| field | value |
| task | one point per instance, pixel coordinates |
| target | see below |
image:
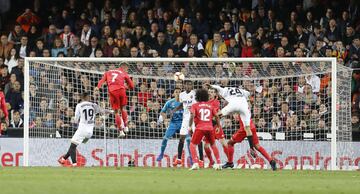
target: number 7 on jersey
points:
(114, 76)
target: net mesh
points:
(290, 101)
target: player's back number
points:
(236, 92)
(114, 76)
(88, 114)
(204, 114)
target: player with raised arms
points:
(175, 122)
(238, 137)
(116, 80)
(219, 133)
(202, 114)
(237, 103)
(85, 113)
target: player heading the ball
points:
(237, 103)
(85, 113)
(116, 80)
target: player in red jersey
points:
(202, 114)
(219, 133)
(238, 137)
(116, 80)
(4, 109)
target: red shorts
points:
(118, 99)
(240, 135)
(218, 135)
(200, 134)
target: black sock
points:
(72, 151)
(251, 143)
(180, 148)
(68, 153)
(201, 151)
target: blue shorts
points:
(172, 129)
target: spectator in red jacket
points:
(27, 19)
(247, 51)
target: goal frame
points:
(332, 60)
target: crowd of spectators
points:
(193, 28)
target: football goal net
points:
(300, 106)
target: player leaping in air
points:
(238, 137)
(175, 122)
(85, 113)
(237, 103)
(115, 80)
(219, 133)
(202, 114)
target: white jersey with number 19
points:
(85, 113)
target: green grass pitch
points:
(172, 181)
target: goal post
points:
(333, 114)
(47, 75)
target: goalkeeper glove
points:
(160, 120)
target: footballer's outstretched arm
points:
(221, 91)
(129, 82)
(102, 81)
(100, 110)
(218, 88)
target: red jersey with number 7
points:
(203, 114)
(116, 79)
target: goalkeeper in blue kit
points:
(175, 122)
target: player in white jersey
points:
(85, 113)
(186, 98)
(237, 103)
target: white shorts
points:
(238, 105)
(82, 134)
(185, 125)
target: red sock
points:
(193, 153)
(208, 153)
(118, 121)
(124, 116)
(225, 148)
(230, 153)
(264, 153)
(216, 153)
